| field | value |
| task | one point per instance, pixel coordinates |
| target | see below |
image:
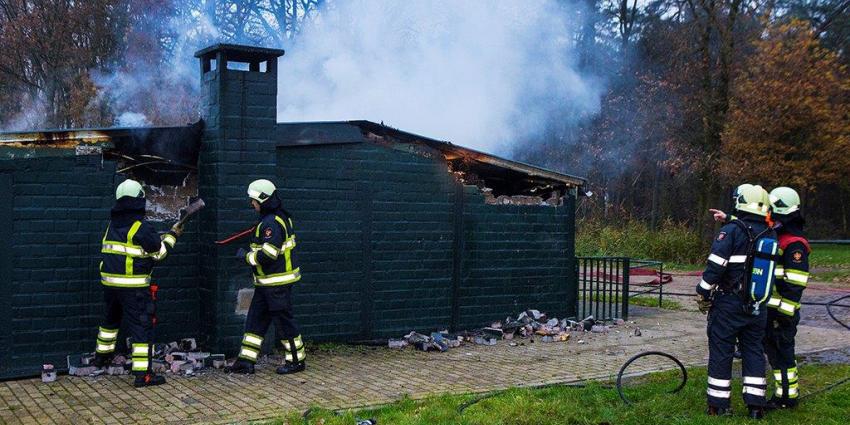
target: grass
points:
(671, 242)
(596, 404)
(830, 256)
(684, 267)
(641, 300)
(649, 301)
(831, 263)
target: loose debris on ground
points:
(181, 357)
(527, 326)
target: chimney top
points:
(240, 53)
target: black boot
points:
(241, 366)
(148, 380)
(719, 411)
(756, 412)
(290, 367)
(102, 360)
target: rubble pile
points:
(181, 357)
(527, 325)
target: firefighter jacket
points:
(792, 274)
(271, 256)
(726, 270)
(131, 246)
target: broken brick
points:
(176, 365)
(397, 343)
(116, 370)
(48, 373)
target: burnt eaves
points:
(166, 153)
(502, 176)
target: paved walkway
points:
(364, 376)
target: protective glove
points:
(241, 253)
(177, 228)
(703, 304)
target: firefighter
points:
(130, 248)
(783, 314)
(721, 216)
(275, 269)
(722, 294)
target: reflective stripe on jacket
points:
(129, 254)
(272, 252)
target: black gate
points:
(603, 287)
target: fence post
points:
(576, 268)
(626, 273)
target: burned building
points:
(396, 231)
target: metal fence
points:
(603, 287)
(639, 287)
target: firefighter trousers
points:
(135, 307)
(779, 347)
(727, 321)
(269, 305)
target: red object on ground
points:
(660, 278)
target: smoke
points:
(132, 119)
(479, 73)
(158, 82)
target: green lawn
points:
(830, 256)
(596, 404)
(831, 263)
(652, 301)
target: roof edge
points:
(477, 155)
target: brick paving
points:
(348, 377)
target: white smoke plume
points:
(132, 119)
(478, 73)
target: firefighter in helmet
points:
(275, 269)
(130, 249)
(783, 315)
(721, 294)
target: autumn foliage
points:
(789, 118)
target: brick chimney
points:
(239, 108)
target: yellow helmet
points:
(129, 188)
(753, 199)
(784, 200)
(261, 190)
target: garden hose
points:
(645, 354)
(833, 303)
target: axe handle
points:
(192, 209)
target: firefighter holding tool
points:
(734, 290)
(131, 246)
(275, 270)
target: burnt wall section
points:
(389, 242)
(55, 211)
